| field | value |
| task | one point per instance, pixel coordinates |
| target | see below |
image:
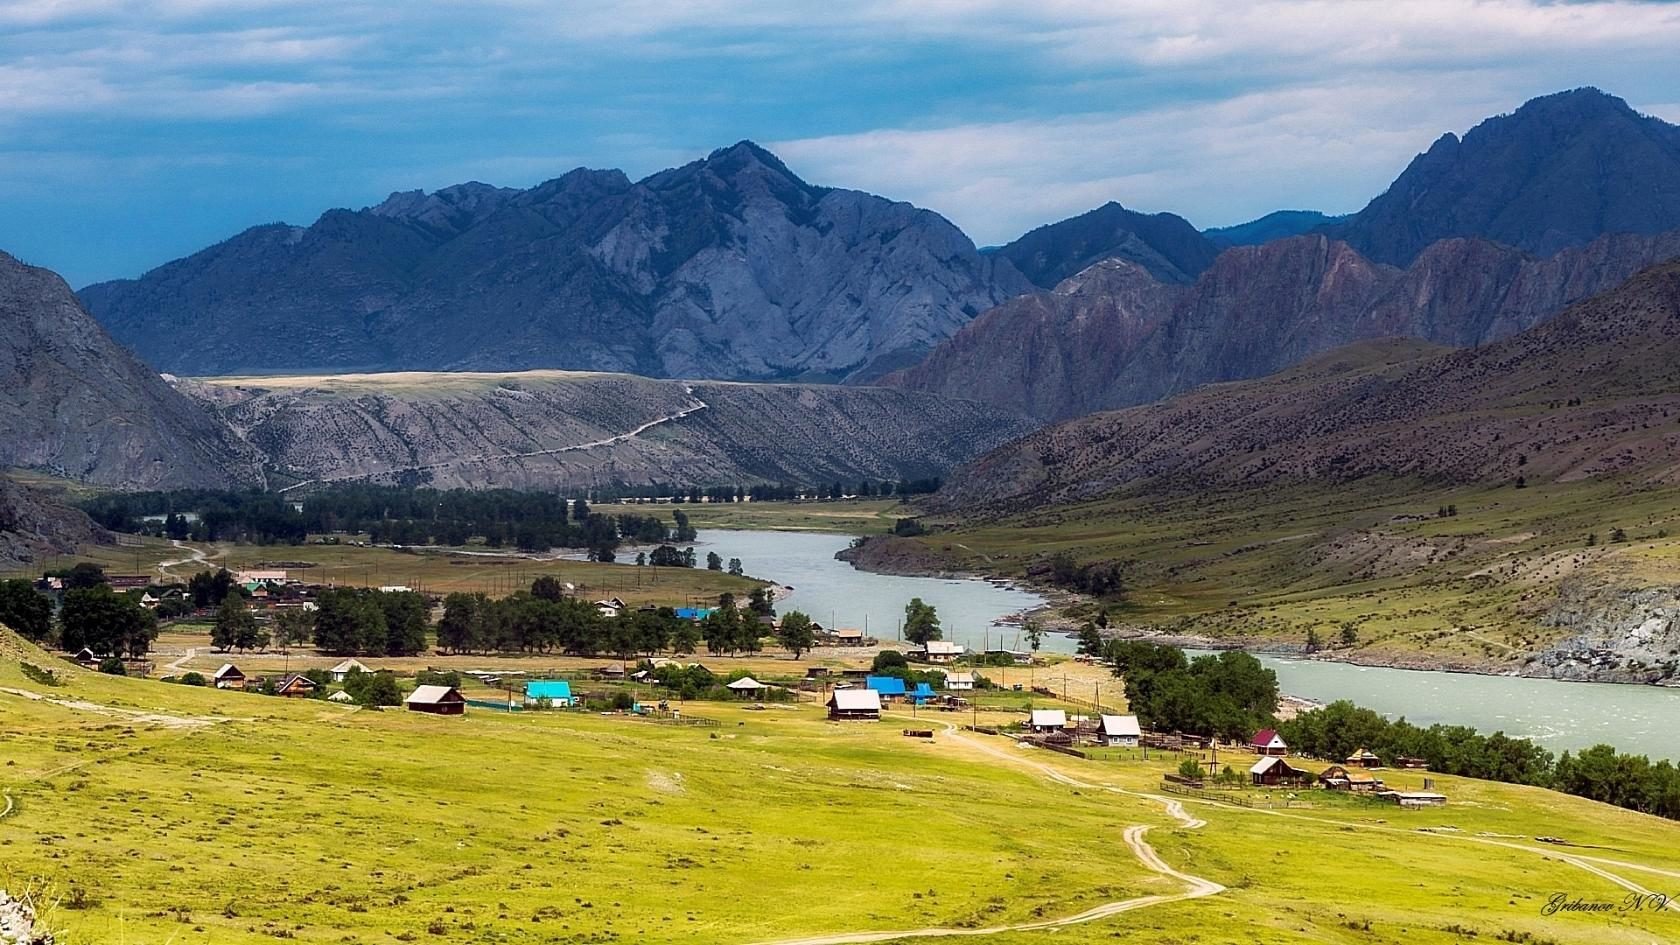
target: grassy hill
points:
(150, 812)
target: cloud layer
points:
(137, 131)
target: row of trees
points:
(1600, 773)
(1229, 695)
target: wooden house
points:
(295, 686)
(1048, 720)
(1273, 771)
(228, 677)
(1119, 731)
(343, 670)
(1364, 758)
(1269, 743)
(942, 651)
(1415, 764)
(1413, 799)
(960, 681)
(1339, 778)
(859, 705)
(437, 700)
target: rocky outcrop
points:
(1559, 172)
(560, 430)
(1590, 393)
(730, 267)
(889, 554)
(1113, 336)
(36, 525)
(1616, 634)
(75, 404)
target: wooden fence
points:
(1224, 797)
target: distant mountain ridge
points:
(1592, 392)
(1165, 245)
(1556, 173)
(728, 267)
(1113, 336)
(1276, 225)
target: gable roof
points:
(341, 696)
(1049, 718)
(548, 689)
(349, 665)
(228, 671)
(1121, 726)
(433, 695)
(924, 691)
(1272, 761)
(956, 677)
(945, 648)
(886, 685)
(745, 683)
(298, 680)
(856, 700)
(1266, 738)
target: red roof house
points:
(1268, 742)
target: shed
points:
(228, 677)
(556, 691)
(889, 687)
(1268, 742)
(1364, 758)
(862, 705)
(1048, 720)
(1272, 771)
(344, 669)
(1120, 730)
(1338, 778)
(438, 700)
(1414, 798)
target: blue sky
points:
(134, 132)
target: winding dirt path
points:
(195, 555)
(695, 407)
(1195, 886)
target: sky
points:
(133, 132)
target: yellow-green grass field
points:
(846, 516)
(157, 813)
(1270, 564)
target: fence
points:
(1224, 797)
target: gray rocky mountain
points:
(730, 267)
(1165, 245)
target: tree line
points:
(1228, 695)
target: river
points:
(1560, 715)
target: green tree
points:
(349, 621)
(714, 561)
(1192, 769)
(235, 628)
(105, 622)
(547, 587)
(25, 610)
(1350, 633)
(735, 567)
(921, 622)
(407, 620)
(1090, 640)
(1314, 641)
(463, 627)
(293, 627)
(795, 633)
(1035, 634)
(210, 589)
(685, 639)
(84, 575)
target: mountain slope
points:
(74, 403)
(1558, 172)
(548, 429)
(728, 267)
(1112, 337)
(1165, 245)
(1273, 226)
(1592, 392)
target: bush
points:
(1192, 769)
(623, 700)
(45, 677)
(112, 666)
(193, 679)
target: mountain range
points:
(1594, 391)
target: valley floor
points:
(147, 812)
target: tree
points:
(84, 575)
(463, 627)
(293, 627)
(714, 561)
(666, 556)
(235, 628)
(25, 610)
(348, 622)
(1090, 640)
(795, 633)
(547, 587)
(761, 602)
(921, 622)
(1191, 768)
(735, 567)
(373, 688)
(210, 589)
(1035, 634)
(1350, 633)
(105, 622)
(641, 559)
(407, 619)
(685, 639)
(1618, 534)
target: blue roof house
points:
(923, 693)
(556, 691)
(888, 687)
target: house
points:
(816, 672)
(693, 613)
(888, 687)
(1273, 771)
(260, 577)
(856, 705)
(341, 696)
(923, 694)
(1338, 778)
(1413, 798)
(943, 651)
(1364, 758)
(609, 608)
(611, 671)
(1120, 731)
(848, 636)
(1268, 742)
(556, 691)
(343, 670)
(1415, 764)
(1048, 720)
(438, 700)
(228, 677)
(959, 682)
(295, 686)
(746, 686)
(148, 601)
(129, 582)
(87, 657)
(395, 589)
(998, 655)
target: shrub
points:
(193, 679)
(45, 677)
(112, 666)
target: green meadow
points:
(146, 812)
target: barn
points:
(859, 705)
(228, 677)
(438, 700)
(1272, 771)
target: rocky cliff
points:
(561, 430)
(1114, 336)
(1164, 245)
(75, 404)
(730, 267)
